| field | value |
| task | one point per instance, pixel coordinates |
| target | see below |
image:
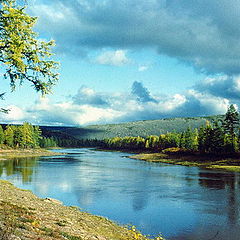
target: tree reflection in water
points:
(228, 181)
(19, 166)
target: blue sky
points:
(134, 60)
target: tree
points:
(22, 56)
(231, 125)
(217, 139)
(205, 138)
(17, 135)
(27, 135)
(37, 135)
(189, 139)
(8, 136)
(1, 135)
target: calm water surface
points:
(182, 203)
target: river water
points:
(182, 203)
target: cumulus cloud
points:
(90, 107)
(199, 104)
(142, 93)
(15, 114)
(204, 34)
(223, 86)
(88, 96)
(114, 58)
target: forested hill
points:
(139, 128)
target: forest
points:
(222, 136)
(24, 136)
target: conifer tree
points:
(37, 135)
(231, 125)
(17, 135)
(8, 136)
(217, 139)
(1, 135)
(189, 138)
(27, 140)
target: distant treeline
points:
(219, 137)
(72, 142)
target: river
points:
(182, 203)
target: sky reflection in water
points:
(183, 203)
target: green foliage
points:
(209, 136)
(231, 126)
(9, 136)
(48, 142)
(1, 135)
(24, 136)
(22, 55)
(134, 129)
(219, 137)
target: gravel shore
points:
(25, 216)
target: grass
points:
(24, 215)
(70, 237)
(23, 153)
(205, 161)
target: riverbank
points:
(24, 216)
(21, 153)
(206, 161)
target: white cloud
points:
(91, 114)
(224, 86)
(15, 114)
(204, 34)
(91, 107)
(172, 103)
(114, 58)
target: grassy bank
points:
(20, 153)
(25, 216)
(206, 161)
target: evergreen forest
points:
(222, 136)
(24, 136)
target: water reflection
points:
(230, 182)
(183, 203)
(19, 166)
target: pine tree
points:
(217, 139)
(201, 139)
(17, 135)
(189, 139)
(231, 125)
(37, 135)
(1, 135)
(8, 136)
(27, 140)
(205, 138)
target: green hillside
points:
(139, 128)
